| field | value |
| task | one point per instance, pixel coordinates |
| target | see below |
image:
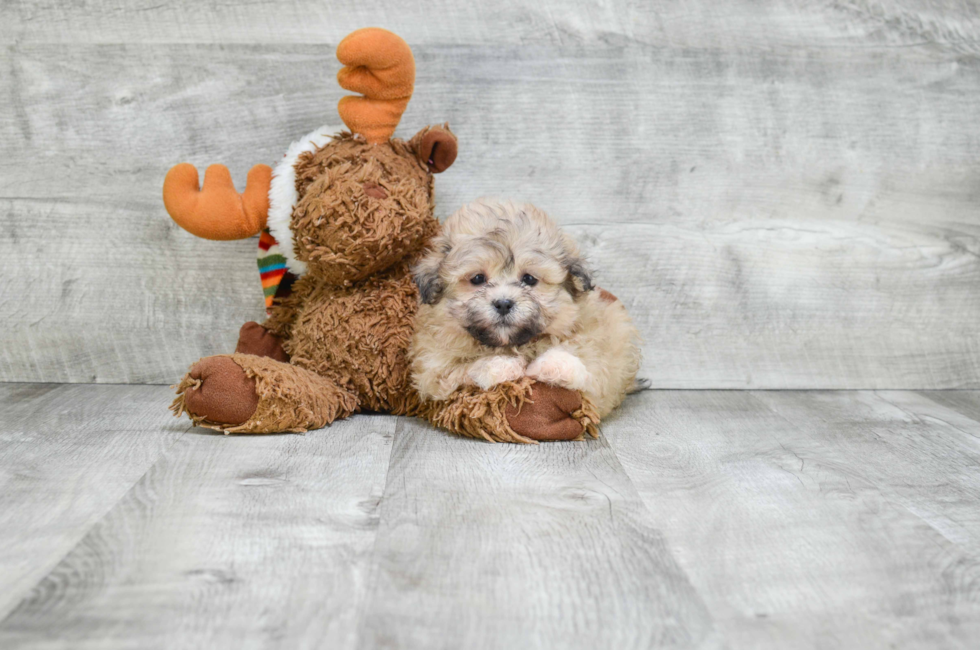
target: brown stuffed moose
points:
(351, 212)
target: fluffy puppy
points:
(504, 295)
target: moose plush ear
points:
(436, 147)
(426, 272)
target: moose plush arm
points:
(522, 411)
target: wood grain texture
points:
(814, 519)
(919, 454)
(952, 24)
(966, 402)
(784, 194)
(757, 520)
(90, 309)
(504, 546)
(67, 455)
(227, 542)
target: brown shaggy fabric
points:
(357, 336)
(476, 413)
(257, 340)
(350, 318)
(522, 411)
(289, 398)
(345, 235)
(363, 218)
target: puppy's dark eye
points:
(529, 279)
(479, 278)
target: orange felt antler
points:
(380, 66)
(218, 211)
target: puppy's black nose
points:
(503, 306)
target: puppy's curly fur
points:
(506, 295)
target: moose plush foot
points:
(552, 413)
(219, 392)
(244, 393)
(520, 411)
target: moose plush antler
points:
(345, 214)
(218, 211)
(382, 69)
(377, 64)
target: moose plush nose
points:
(374, 190)
(503, 306)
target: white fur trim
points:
(283, 196)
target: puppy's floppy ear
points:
(435, 147)
(579, 278)
(426, 272)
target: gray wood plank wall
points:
(784, 193)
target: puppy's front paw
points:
(560, 368)
(490, 371)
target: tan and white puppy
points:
(504, 295)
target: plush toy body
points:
(351, 213)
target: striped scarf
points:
(277, 281)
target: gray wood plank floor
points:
(699, 519)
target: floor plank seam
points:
(370, 587)
(950, 408)
(95, 524)
(885, 498)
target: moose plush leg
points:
(257, 340)
(243, 393)
(522, 411)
